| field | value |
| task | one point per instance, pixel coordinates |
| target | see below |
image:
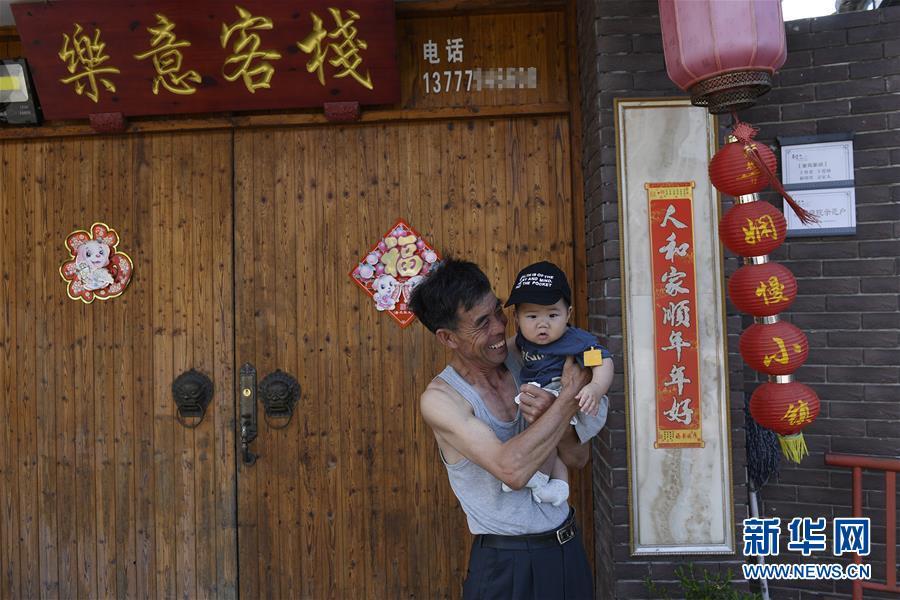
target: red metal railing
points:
(890, 466)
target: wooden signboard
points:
(169, 57)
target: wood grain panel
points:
(45, 416)
(26, 330)
(220, 175)
(67, 155)
(10, 560)
(378, 517)
(143, 174)
(101, 490)
(288, 503)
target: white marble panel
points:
(681, 498)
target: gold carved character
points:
(82, 52)
(167, 59)
(345, 49)
(248, 61)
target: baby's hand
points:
(589, 399)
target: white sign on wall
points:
(817, 163)
(835, 208)
(817, 171)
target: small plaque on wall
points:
(835, 208)
(818, 173)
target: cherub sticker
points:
(96, 269)
(393, 268)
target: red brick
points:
(815, 110)
(863, 339)
(863, 158)
(882, 103)
(863, 303)
(847, 54)
(824, 39)
(875, 68)
(849, 89)
(864, 374)
(888, 31)
(844, 21)
(881, 321)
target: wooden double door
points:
(242, 241)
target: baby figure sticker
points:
(95, 269)
(392, 269)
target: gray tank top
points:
(489, 509)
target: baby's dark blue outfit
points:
(544, 363)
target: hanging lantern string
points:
(745, 133)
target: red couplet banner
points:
(677, 372)
(169, 57)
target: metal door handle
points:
(247, 393)
(192, 391)
(278, 392)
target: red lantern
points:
(734, 172)
(752, 228)
(763, 290)
(774, 348)
(723, 53)
(785, 408)
(744, 166)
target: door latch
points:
(278, 392)
(247, 391)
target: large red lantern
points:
(752, 228)
(733, 172)
(744, 166)
(786, 408)
(723, 53)
(763, 290)
(778, 348)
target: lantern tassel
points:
(793, 447)
(745, 132)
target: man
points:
(522, 549)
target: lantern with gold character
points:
(774, 348)
(763, 289)
(785, 406)
(752, 228)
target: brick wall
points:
(842, 74)
(620, 54)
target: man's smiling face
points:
(480, 332)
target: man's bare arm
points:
(571, 451)
(512, 462)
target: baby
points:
(543, 306)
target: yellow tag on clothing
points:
(593, 357)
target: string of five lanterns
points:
(752, 229)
